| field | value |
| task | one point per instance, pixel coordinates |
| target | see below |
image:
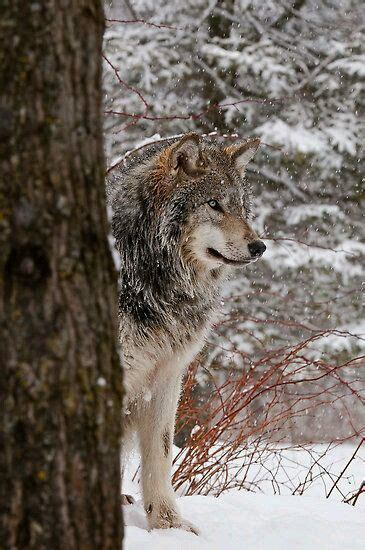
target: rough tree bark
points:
(60, 374)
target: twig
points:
(143, 22)
(345, 468)
(356, 495)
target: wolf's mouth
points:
(227, 261)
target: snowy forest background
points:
(288, 354)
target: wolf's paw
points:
(127, 499)
(166, 517)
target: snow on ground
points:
(245, 520)
(242, 520)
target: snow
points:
(296, 214)
(251, 521)
(296, 138)
(354, 64)
(263, 521)
(286, 254)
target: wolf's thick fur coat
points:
(181, 211)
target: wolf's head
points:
(199, 189)
(181, 214)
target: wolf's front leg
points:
(156, 430)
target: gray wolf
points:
(181, 219)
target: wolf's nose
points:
(256, 249)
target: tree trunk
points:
(61, 384)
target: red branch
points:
(195, 116)
(249, 415)
(130, 88)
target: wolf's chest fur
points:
(162, 339)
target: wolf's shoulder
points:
(139, 156)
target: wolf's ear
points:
(185, 155)
(242, 154)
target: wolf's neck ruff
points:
(157, 289)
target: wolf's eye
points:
(215, 205)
